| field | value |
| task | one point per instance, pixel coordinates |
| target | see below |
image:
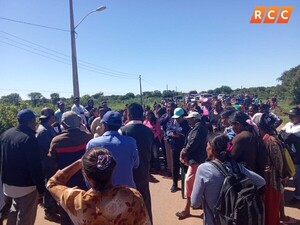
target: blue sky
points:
(182, 44)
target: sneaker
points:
(174, 188)
(52, 217)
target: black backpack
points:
(239, 201)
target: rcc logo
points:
(262, 14)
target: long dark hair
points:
(98, 164)
(152, 119)
(241, 118)
(219, 143)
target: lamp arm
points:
(84, 18)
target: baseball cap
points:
(112, 118)
(46, 113)
(193, 114)
(294, 111)
(178, 112)
(26, 115)
(70, 119)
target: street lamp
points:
(73, 45)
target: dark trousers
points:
(155, 162)
(50, 205)
(143, 188)
(176, 165)
(64, 217)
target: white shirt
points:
(17, 192)
(80, 111)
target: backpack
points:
(288, 168)
(239, 201)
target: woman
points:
(103, 203)
(225, 126)
(245, 145)
(153, 123)
(209, 179)
(214, 115)
(274, 167)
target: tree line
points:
(288, 90)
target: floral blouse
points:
(120, 205)
(274, 168)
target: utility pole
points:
(167, 87)
(141, 93)
(74, 57)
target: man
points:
(60, 111)
(193, 153)
(90, 104)
(22, 173)
(290, 134)
(105, 106)
(96, 122)
(144, 139)
(123, 148)
(276, 121)
(177, 133)
(80, 110)
(167, 122)
(66, 148)
(44, 134)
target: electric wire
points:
(80, 62)
(33, 24)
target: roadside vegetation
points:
(287, 92)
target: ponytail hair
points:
(220, 144)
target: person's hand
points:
(183, 158)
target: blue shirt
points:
(124, 150)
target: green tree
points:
(97, 95)
(35, 98)
(54, 98)
(290, 84)
(157, 94)
(13, 98)
(8, 115)
(129, 95)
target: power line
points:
(22, 90)
(106, 71)
(91, 70)
(34, 52)
(34, 24)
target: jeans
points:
(296, 179)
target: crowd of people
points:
(92, 165)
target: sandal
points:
(182, 215)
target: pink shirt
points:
(155, 128)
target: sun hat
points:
(294, 111)
(193, 114)
(70, 119)
(46, 113)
